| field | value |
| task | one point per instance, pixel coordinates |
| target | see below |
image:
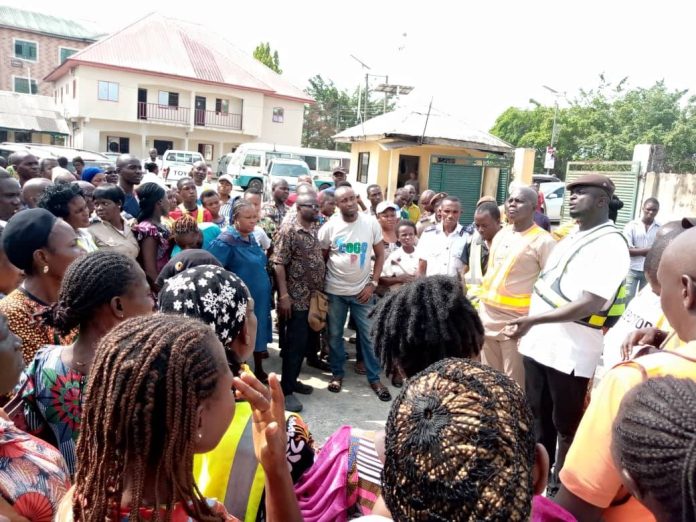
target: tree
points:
(270, 59)
(605, 123)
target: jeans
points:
(298, 338)
(557, 401)
(635, 280)
(338, 310)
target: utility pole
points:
(366, 68)
(367, 94)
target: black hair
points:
(372, 186)
(78, 159)
(406, 223)
(240, 205)
(151, 166)
(57, 197)
(655, 442)
(615, 204)
(652, 259)
(254, 191)
(149, 194)
(183, 180)
(423, 322)
(111, 192)
(343, 184)
(453, 199)
(63, 162)
(209, 193)
(654, 201)
(5, 175)
(490, 208)
(90, 281)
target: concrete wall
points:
(289, 132)
(48, 58)
(675, 192)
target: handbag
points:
(318, 310)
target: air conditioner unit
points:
(113, 145)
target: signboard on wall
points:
(550, 158)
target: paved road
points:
(324, 411)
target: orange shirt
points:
(589, 471)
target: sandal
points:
(359, 368)
(381, 391)
(335, 384)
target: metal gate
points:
(624, 174)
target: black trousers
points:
(557, 400)
(299, 336)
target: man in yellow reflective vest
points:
(571, 302)
(518, 253)
(475, 258)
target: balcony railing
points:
(222, 120)
(157, 112)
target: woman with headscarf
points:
(94, 175)
(152, 235)
(43, 246)
(67, 201)
(109, 229)
(220, 298)
(236, 248)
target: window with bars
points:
(26, 50)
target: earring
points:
(200, 435)
(45, 269)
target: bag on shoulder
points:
(318, 310)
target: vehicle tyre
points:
(256, 184)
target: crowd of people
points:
(544, 375)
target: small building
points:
(26, 118)
(447, 155)
(168, 84)
(33, 44)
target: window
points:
(118, 144)
(64, 53)
(252, 160)
(26, 50)
(58, 140)
(206, 150)
(108, 91)
(329, 164)
(311, 162)
(22, 85)
(22, 137)
(170, 99)
(3, 135)
(363, 165)
(222, 106)
(278, 114)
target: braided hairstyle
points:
(423, 322)
(149, 376)
(459, 446)
(239, 205)
(149, 195)
(184, 225)
(655, 442)
(90, 281)
(57, 197)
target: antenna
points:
(361, 62)
(427, 117)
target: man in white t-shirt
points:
(441, 247)
(349, 240)
(562, 335)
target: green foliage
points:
(605, 123)
(335, 110)
(267, 57)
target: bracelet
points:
(284, 296)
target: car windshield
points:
(184, 157)
(291, 171)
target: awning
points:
(30, 112)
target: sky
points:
(472, 59)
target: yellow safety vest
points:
(199, 214)
(230, 473)
(550, 289)
(494, 290)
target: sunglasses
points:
(313, 206)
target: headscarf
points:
(25, 233)
(89, 173)
(183, 261)
(209, 293)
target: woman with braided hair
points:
(161, 391)
(187, 234)
(654, 447)
(99, 291)
(152, 235)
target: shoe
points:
(293, 404)
(360, 368)
(381, 391)
(319, 364)
(303, 389)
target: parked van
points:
(41, 151)
(178, 164)
(249, 162)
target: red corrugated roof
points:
(165, 46)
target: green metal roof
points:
(46, 24)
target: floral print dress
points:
(33, 475)
(52, 398)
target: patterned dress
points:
(161, 234)
(33, 475)
(52, 394)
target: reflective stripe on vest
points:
(231, 472)
(550, 291)
(475, 273)
(494, 286)
(199, 215)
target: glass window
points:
(222, 106)
(311, 161)
(22, 136)
(363, 166)
(252, 160)
(329, 164)
(66, 53)
(107, 91)
(170, 99)
(22, 85)
(25, 50)
(278, 114)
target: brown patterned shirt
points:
(299, 251)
